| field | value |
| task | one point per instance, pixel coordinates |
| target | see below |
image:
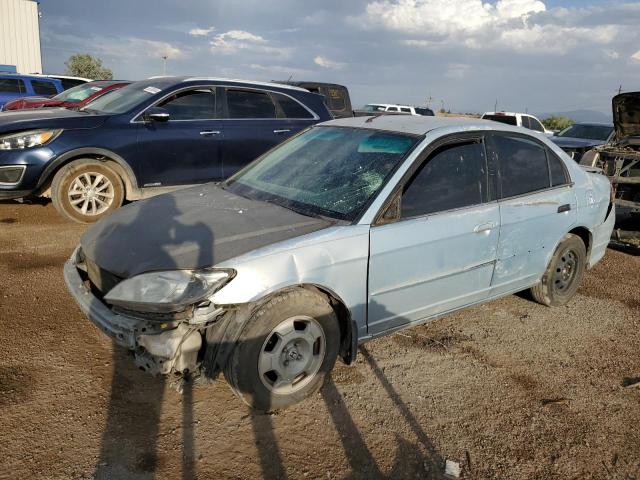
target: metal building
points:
(20, 36)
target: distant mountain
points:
(580, 116)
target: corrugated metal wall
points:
(20, 35)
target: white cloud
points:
(201, 32)
(324, 62)
(521, 25)
(636, 56)
(235, 41)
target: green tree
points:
(85, 65)
(555, 122)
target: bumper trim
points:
(123, 330)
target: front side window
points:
(197, 104)
(535, 125)
(330, 171)
(522, 165)
(12, 85)
(405, 109)
(525, 121)
(454, 176)
(392, 109)
(291, 108)
(249, 104)
(42, 87)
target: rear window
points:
(12, 85)
(336, 99)
(508, 119)
(68, 83)
(424, 111)
(291, 108)
(42, 87)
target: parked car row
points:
(14, 86)
(391, 108)
(146, 138)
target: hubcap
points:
(292, 355)
(565, 271)
(91, 193)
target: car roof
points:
(594, 124)
(176, 80)
(419, 125)
(28, 77)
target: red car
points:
(75, 97)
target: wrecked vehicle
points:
(349, 231)
(579, 138)
(620, 161)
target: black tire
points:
(78, 170)
(564, 273)
(242, 367)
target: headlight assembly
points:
(28, 139)
(169, 291)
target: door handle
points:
(208, 133)
(284, 130)
(484, 227)
(564, 208)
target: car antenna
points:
(371, 119)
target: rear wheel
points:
(564, 273)
(86, 190)
(285, 351)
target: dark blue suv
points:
(147, 138)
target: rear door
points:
(537, 208)
(256, 121)
(186, 148)
(44, 88)
(440, 254)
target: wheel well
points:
(347, 353)
(43, 190)
(585, 235)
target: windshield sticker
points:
(152, 90)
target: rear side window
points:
(12, 85)
(525, 121)
(197, 104)
(392, 109)
(291, 108)
(556, 170)
(249, 104)
(454, 176)
(405, 109)
(522, 165)
(508, 119)
(42, 87)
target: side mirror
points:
(156, 114)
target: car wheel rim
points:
(565, 271)
(291, 355)
(91, 193)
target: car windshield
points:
(123, 99)
(326, 171)
(589, 132)
(79, 93)
(508, 119)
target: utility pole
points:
(164, 64)
(495, 106)
(429, 100)
(620, 90)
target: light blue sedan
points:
(349, 231)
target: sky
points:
(465, 55)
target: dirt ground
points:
(509, 390)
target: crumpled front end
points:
(161, 343)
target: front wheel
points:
(564, 273)
(86, 190)
(284, 353)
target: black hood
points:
(626, 114)
(17, 120)
(576, 143)
(189, 229)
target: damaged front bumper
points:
(159, 346)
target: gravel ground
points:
(509, 390)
